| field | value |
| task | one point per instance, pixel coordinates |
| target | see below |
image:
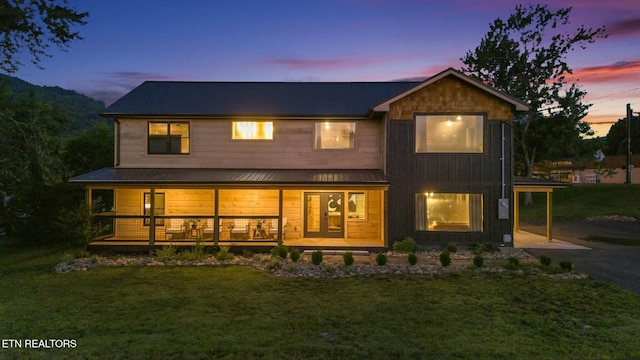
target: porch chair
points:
(240, 229)
(208, 228)
(273, 229)
(175, 227)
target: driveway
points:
(614, 264)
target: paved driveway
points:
(614, 264)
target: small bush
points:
(280, 250)
(545, 260)
(348, 258)
(413, 258)
(478, 261)
(453, 248)
(381, 259)
(224, 254)
(316, 257)
(445, 258)
(274, 263)
(513, 261)
(166, 253)
(408, 245)
(294, 254)
(566, 265)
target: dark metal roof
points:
(304, 99)
(129, 176)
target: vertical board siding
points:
(410, 173)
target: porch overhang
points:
(232, 177)
(524, 184)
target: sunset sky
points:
(129, 41)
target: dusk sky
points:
(129, 41)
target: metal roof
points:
(282, 99)
(193, 176)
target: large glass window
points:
(335, 135)
(449, 133)
(168, 138)
(158, 209)
(448, 212)
(252, 130)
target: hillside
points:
(82, 109)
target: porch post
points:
(549, 215)
(216, 218)
(152, 220)
(280, 200)
(516, 211)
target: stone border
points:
(332, 266)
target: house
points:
(330, 165)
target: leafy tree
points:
(33, 25)
(90, 149)
(617, 137)
(525, 56)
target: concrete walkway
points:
(527, 240)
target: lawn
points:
(578, 202)
(242, 313)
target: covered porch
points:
(344, 209)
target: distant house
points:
(329, 165)
(611, 170)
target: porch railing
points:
(191, 228)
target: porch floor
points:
(301, 243)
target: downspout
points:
(502, 161)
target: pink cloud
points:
(624, 71)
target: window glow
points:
(335, 135)
(449, 134)
(252, 130)
(449, 212)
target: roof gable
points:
(519, 106)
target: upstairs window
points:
(335, 135)
(168, 138)
(449, 134)
(252, 130)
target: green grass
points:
(241, 313)
(581, 201)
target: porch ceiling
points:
(199, 176)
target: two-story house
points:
(319, 165)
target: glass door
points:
(323, 215)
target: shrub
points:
(316, 257)
(408, 245)
(478, 261)
(566, 265)
(545, 260)
(445, 258)
(224, 254)
(479, 249)
(166, 253)
(247, 253)
(274, 263)
(453, 248)
(280, 250)
(413, 258)
(294, 254)
(348, 258)
(381, 259)
(513, 261)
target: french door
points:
(323, 215)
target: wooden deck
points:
(264, 245)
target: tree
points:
(33, 25)
(525, 56)
(90, 149)
(617, 137)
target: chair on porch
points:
(273, 229)
(176, 229)
(240, 229)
